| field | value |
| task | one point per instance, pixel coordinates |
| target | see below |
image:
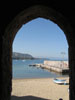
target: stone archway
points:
(11, 30)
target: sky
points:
(41, 38)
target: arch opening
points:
(16, 24)
(29, 33)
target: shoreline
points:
(40, 78)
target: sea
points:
(21, 69)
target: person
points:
(60, 99)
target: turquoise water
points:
(21, 69)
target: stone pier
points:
(56, 66)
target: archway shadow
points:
(27, 98)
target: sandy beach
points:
(39, 89)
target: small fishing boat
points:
(59, 81)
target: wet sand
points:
(39, 89)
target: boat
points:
(23, 60)
(59, 81)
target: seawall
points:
(56, 66)
(59, 64)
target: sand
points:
(39, 89)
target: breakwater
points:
(56, 66)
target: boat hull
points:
(59, 81)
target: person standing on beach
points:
(60, 99)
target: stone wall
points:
(57, 63)
(13, 16)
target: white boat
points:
(23, 60)
(59, 81)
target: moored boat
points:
(59, 81)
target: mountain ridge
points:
(17, 55)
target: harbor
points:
(56, 66)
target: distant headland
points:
(16, 55)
